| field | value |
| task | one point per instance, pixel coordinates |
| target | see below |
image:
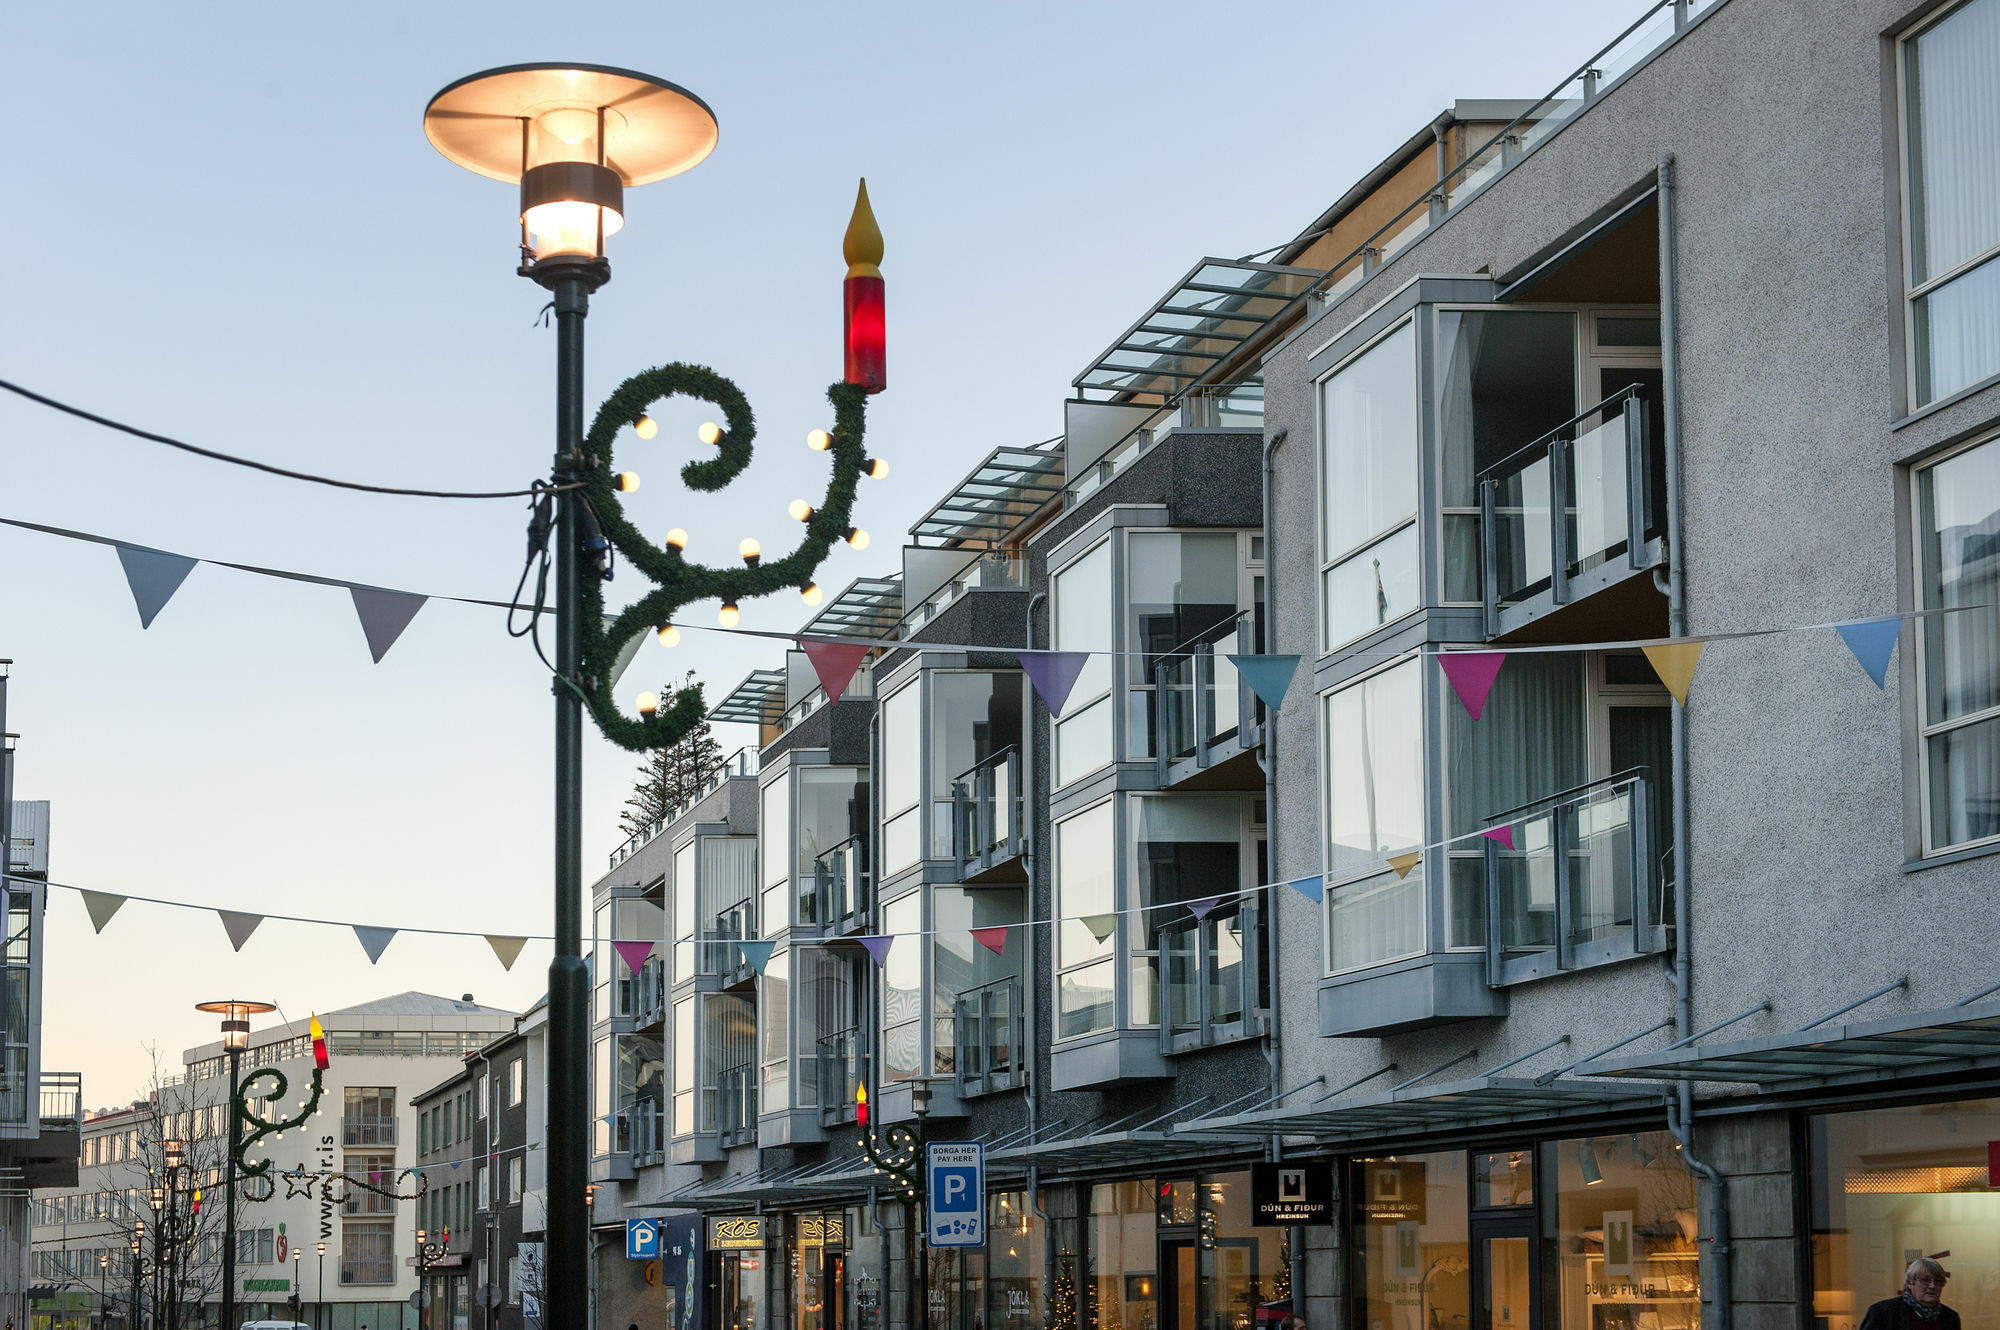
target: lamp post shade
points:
(236, 1014)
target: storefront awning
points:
(1119, 1143)
(1476, 1102)
(1955, 1039)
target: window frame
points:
(1425, 816)
(1327, 560)
(1074, 706)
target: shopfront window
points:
(1411, 1240)
(864, 1272)
(1625, 1233)
(1246, 1271)
(1122, 1249)
(1892, 1184)
(1011, 1290)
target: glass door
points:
(1180, 1286)
(1506, 1283)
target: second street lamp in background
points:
(236, 1014)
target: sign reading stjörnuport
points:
(955, 1181)
(1294, 1193)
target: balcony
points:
(736, 1105)
(988, 828)
(648, 1145)
(843, 1068)
(649, 994)
(838, 899)
(1202, 714)
(995, 571)
(738, 923)
(990, 1038)
(1577, 511)
(1213, 981)
(1584, 884)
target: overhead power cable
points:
(266, 467)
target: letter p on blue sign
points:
(955, 1181)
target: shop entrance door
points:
(1506, 1283)
(833, 1289)
(1180, 1285)
(737, 1284)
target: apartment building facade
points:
(1596, 1006)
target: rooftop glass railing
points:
(742, 762)
(996, 571)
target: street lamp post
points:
(573, 137)
(319, 1294)
(138, 1242)
(298, 1292)
(236, 1015)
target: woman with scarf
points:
(1921, 1304)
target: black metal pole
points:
(229, 1195)
(566, 1278)
(319, 1294)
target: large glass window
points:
(1188, 847)
(833, 807)
(634, 918)
(902, 765)
(774, 854)
(728, 900)
(684, 1067)
(1951, 103)
(1891, 1184)
(1085, 872)
(1958, 526)
(1123, 1254)
(1625, 1233)
(1083, 622)
(368, 1115)
(1411, 1243)
(974, 719)
(774, 1008)
(1182, 591)
(685, 966)
(1368, 479)
(367, 1254)
(1375, 808)
(902, 989)
(963, 967)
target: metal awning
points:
(1955, 1039)
(758, 700)
(1118, 1143)
(869, 607)
(1011, 484)
(1476, 1102)
(1208, 314)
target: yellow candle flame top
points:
(862, 245)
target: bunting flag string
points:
(239, 926)
(1674, 662)
(1053, 673)
(878, 947)
(153, 576)
(374, 941)
(994, 939)
(635, 954)
(1403, 863)
(505, 949)
(834, 663)
(1471, 675)
(1872, 641)
(102, 905)
(1270, 677)
(757, 954)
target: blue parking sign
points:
(642, 1239)
(955, 1182)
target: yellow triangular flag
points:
(1674, 663)
(506, 948)
(1403, 863)
(1100, 925)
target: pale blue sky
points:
(227, 225)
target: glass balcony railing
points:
(1199, 701)
(648, 1143)
(990, 1037)
(1569, 503)
(843, 1067)
(996, 571)
(1582, 884)
(1214, 985)
(837, 896)
(649, 993)
(986, 811)
(736, 1104)
(738, 923)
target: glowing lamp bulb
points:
(669, 635)
(750, 550)
(646, 427)
(810, 593)
(728, 616)
(800, 510)
(677, 538)
(710, 433)
(626, 481)
(857, 538)
(819, 441)
(648, 703)
(875, 468)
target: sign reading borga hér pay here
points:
(955, 1182)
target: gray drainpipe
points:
(1680, 1104)
(1271, 771)
(1028, 960)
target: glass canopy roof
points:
(1477, 1101)
(869, 607)
(1209, 313)
(1009, 486)
(758, 700)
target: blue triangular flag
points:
(1872, 641)
(1270, 677)
(374, 941)
(758, 954)
(154, 576)
(1312, 888)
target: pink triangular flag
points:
(1471, 674)
(993, 939)
(834, 663)
(1504, 835)
(635, 954)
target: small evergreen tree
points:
(669, 777)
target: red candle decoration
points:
(865, 330)
(861, 1106)
(319, 1042)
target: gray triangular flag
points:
(506, 948)
(154, 576)
(626, 653)
(374, 941)
(384, 615)
(102, 905)
(239, 926)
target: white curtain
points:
(1955, 182)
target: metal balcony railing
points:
(1199, 704)
(986, 811)
(990, 1037)
(843, 1067)
(649, 993)
(1212, 979)
(736, 1104)
(1571, 502)
(647, 1138)
(738, 923)
(62, 1099)
(1582, 885)
(837, 895)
